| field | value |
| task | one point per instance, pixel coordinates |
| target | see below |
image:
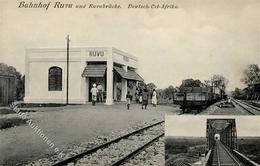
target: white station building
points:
(46, 74)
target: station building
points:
(46, 74)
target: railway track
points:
(252, 110)
(119, 150)
(223, 157)
(251, 105)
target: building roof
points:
(94, 71)
(98, 70)
(130, 74)
(77, 48)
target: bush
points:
(11, 122)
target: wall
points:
(7, 89)
(124, 58)
(38, 63)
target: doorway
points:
(98, 81)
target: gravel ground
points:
(215, 110)
(72, 129)
(116, 151)
(101, 157)
(152, 155)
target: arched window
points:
(55, 79)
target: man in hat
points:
(94, 92)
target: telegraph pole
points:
(67, 90)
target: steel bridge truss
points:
(226, 128)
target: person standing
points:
(94, 92)
(100, 93)
(145, 98)
(154, 98)
(140, 96)
(128, 100)
(137, 96)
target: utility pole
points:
(67, 90)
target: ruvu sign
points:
(96, 53)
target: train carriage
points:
(195, 98)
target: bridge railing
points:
(208, 158)
(244, 159)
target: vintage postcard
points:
(92, 82)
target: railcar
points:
(195, 98)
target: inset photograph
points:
(212, 141)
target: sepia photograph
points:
(214, 140)
(93, 82)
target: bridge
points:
(222, 144)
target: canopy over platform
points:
(94, 71)
(129, 75)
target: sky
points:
(194, 126)
(196, 40)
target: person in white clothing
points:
(94, 92)
(154, 98)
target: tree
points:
(219, 81)
(251, 75)
(10, 70)
(169, 92)
(239, 93)
(252, 80)
(20, 88)
(191, 83)
(207, 83)
(150, 86)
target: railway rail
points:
(223, 157)
(254, 103)
(251, 105)
(138, 139)
(252, 110)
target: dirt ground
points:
(71, 125)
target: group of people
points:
(142, 96)
(97, 93)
